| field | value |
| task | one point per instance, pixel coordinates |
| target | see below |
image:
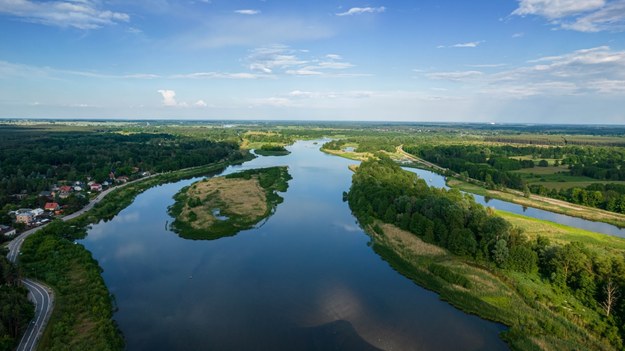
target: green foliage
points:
(381, 190)
(15, 309)
(82, 318)
(272, 150)
(272, 180)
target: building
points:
(37, 212)
(52, 206)
(96, 187)
(6, 230)
(25, 217)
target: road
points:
(40, 294)
(43, 298)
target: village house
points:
(122, 179)
(25, 217)
(96, 187)
(6, 230)
(52, 206)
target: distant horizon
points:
(303, 121)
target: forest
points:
(382, 191)
(59, 157)
(15, 310)
(496, 166)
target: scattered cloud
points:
(81, 14)
(361, 10)
(593, 71)
(582, 16)
(169, 97)
(217, 75)
(278, 59)
(518, 35)
(471, 44)
(247, 12)
(200, 103)
(455, 76)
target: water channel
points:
(304, 280)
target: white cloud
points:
(455, 76)
(169, 97)
(578, 15)
(592, 72)
(277, 59)
(361, 10)
(471, 44)
(556, 8)
(217, 75)
(200, 103)
(247, 12)
(82, 14)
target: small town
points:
(60, 200)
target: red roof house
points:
(51, 206)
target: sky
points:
(504, 61)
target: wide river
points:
(305, 279)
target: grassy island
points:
(272, 150)
(217, 207)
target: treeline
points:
(15, 309)
(609, 197)
(382, 190)
(32, 161)
(489, 165)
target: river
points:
(437, 180)
(304, 280)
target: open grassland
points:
(562, 234)
(536, 315)
(243, 198)
(541, 202)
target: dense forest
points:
(32, 161)
(15, 310)
(495, 166)
(381, 190)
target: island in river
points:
(223, 206)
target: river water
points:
(304, 280)
(599, 227)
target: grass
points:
(537, 316)
(544, 170)
(244, 198)
(562, 234)
(543, 203)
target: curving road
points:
(43, 298)
(40, 294)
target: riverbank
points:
(521, 301)
(541, 202)
(82, 317)
(223, 206)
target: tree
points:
(611, 295)
(500, 252)
(543, 163)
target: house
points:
(37, 212)
(46, 194)
(77, 188)
(96, 187)
(65, 189)
(145, 174)
(105, 183)
(6, 230)
(24, 217)
(52, 206)
(122, 179)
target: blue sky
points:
(546, 61)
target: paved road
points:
(41, 294)
(43, 298)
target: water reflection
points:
(304, 280)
